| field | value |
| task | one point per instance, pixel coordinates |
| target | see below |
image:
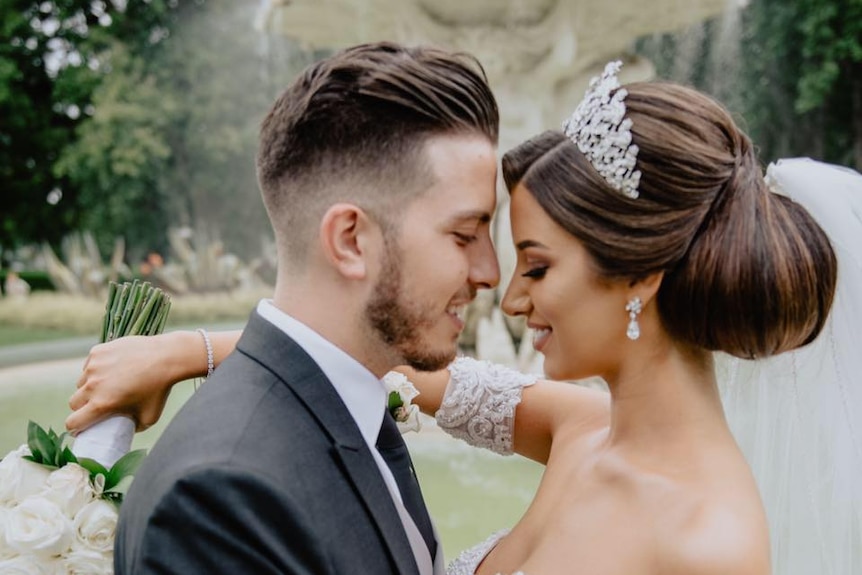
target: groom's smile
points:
(441, 255)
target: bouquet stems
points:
(134, 309)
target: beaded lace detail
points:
(479, 404)
(467, 562)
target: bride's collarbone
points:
(594, 507)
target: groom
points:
(377, 167)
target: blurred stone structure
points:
(539, 56)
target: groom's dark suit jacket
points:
(262, 471)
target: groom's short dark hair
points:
(352, 127)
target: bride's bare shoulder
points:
(715, 539)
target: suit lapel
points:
(273, 349)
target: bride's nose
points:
(515, 300)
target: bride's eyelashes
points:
(536, 272)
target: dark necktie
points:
(394, 451)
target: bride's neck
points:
(665, 399)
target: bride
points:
(647, 238)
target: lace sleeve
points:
(479, 404)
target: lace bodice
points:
(479, 404)
(467, 562)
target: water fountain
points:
(538, 54)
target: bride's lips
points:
(540, 337)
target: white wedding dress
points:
(797, 416)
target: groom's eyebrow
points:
(469, 217)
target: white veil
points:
(798, 416)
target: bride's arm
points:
(134, 375)
(496, 407)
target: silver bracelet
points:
(208, 344)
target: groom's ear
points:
(346, 234)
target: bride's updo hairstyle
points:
(747, 271)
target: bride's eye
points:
(535, 273)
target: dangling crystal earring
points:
(634, 307)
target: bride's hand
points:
(131, 376)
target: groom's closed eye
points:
(465, 239)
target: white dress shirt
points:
(365, 398)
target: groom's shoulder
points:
(244, 422)
(242, 409)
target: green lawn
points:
(13, 335)
(470, 493)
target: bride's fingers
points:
(82, 418)
(142, 426)
(78, 399)
(82, 379)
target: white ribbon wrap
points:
(106, 441)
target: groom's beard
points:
(401, 324)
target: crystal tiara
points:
(602, 132)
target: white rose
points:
(95, 526)
(20, 478)
(88, 562)
(407, 418)
(70, 488)
(31, 565)
(395, 381)
(5, 551)
(38, 526)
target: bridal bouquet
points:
(58, 507)
(58, 513)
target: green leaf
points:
(126, 466)
(68, 456)
(114, 497)
(121, 487)
(394, 400)
(94, 467)
(40, 443)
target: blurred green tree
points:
(52, 62)
(172, 136)
(794, 73)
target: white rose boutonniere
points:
(400, 393)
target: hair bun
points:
(759, 277)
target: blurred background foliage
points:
(114, 122)
(129, 118)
